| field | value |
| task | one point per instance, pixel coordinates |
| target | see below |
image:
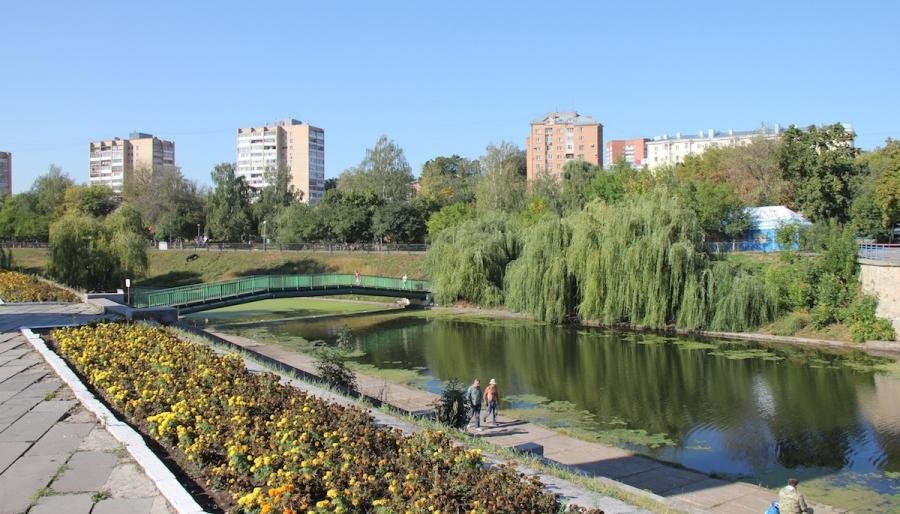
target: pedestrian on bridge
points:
(357, 276)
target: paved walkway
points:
(683, 489)
(54, 455)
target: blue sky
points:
(437, 77)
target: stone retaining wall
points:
(882, 279)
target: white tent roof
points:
(774, 216)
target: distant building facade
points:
(291, 144)
(666, 150)
(634, 151)
(560, 137)
(113, 160)
(5, 173)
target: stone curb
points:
(165, 481)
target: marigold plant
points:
(17, 287)
(275, 449)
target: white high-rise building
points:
(290, 144)
(668, 150)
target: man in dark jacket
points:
(473, 399)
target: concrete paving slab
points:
(61, 439)
(10, 370)
(15, 353)
(665, 481)
(128, 480)
(23, 479)
(35, 423)
(85, 471)
(13, 409)
(67, 503)
(9, 388)
(40, 390)
(161, 506)
(709, 493)
(9, 452)
(124, 506)
(98, 440)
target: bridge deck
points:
(206, 296)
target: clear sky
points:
(437, 77)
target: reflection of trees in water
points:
(809, 414)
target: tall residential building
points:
(560, 137)
(115, 159)
(5, 173)
(666, 150)
(290, 144)
(634, 151)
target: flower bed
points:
(17, 287)
(275, 449)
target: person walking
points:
(473, 398)
(356, 276)
(790, 501)
(491, 397)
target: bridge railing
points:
(203, 293)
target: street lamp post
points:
(265, 241)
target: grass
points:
(172, 268)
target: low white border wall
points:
(165, 481)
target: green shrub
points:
(450, 408)
(864, 325)
(333, 370)
(791, 323)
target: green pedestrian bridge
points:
(199, 297)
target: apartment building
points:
(5, 173)
(634, 151)
(291, 144)
(665, 150)
(111, 161)
(560, 137)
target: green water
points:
(734, 409)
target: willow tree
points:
(643, 262)
(468, 262)
(540, 281)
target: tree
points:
(95, 253)
(228, 207)
(50, 190)
(171, 205)
(501, 186)
(93, 200)
(449, 217)
(447, 180)
(28, 215)
(398, 223)
(384, 172)
(274, 197)
(349, 215)
(887, 197)
(577, 188)
(819, 163)
(301, 223)
(754, 173)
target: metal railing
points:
(229, 289)
(880, 252)
(306, 247)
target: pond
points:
(733, 409)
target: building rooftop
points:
(774, 216)
(565, 118)
(712, 133)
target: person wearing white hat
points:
(491, 397)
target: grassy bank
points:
(172, 268)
